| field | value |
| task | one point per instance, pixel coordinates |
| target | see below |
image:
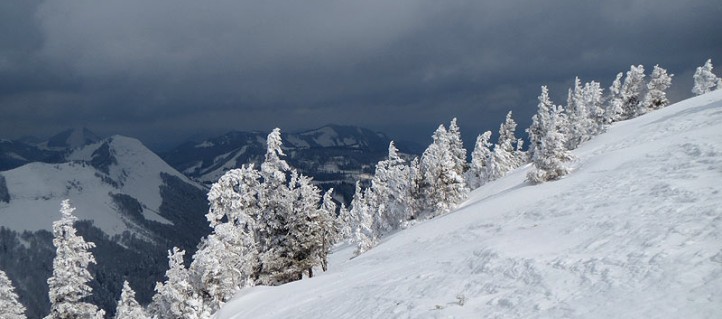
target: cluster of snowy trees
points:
(405, 190)
(272, 225)
(556, 129)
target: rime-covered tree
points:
(345, 223)
(441, 185)
(227, 260)
(539, 121)
(128, 307)
(520, 154)
(390, 192)
(457, 146)
(476, 176)
(363, 217)
(614, 109)
(176, 298)
(288, 225)
(10, 307)
(656, 97)
(704, 80)
(550, 158)
(631, 91)
(276, 202)
(306, 225)
(69, 284)
(593, 102)
(504, 156)
(584, 113)
(329, 227)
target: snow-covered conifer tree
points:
(476, 176)
(551, 156)
(276, 202)
(614, 110)
(457, 146)
(128, 307)
(631, 91)
(539, 121)
(503, 157)
(10, 307)
(227, 260)
(521, 156)
(704, 80)
(656, 96)
(584, 113)
(305, 227)
(442, 185)
(363, 217)
(345, 224)
(390, 191)
(69, 283)
(595, 111)
(176, 298)
(329, 227)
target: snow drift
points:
(634, 231)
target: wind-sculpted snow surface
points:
(635, 231)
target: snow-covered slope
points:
(117, 165)
(634, 232)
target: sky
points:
(164, 71)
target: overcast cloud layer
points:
(165, 70)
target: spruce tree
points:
(631, 91)
(539, 121)
(329, 226)
(227, 260)
(704, 80)
(456, 146)
(363, 217)
(176, 298)
(504, 156)
(584, 113)
(68, 287)
(390, 192)
(128, 307)
(306, 225)
(10, 307)
(345, 223)
(442, 185)
(656, 97)
(549, 161)
(614, 110)
(476, 176)
(276, 206)
(593, 102)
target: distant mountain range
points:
(135, 205)
(335, 156)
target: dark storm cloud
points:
(161, 70)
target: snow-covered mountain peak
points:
(634, 231)
(90, 177)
